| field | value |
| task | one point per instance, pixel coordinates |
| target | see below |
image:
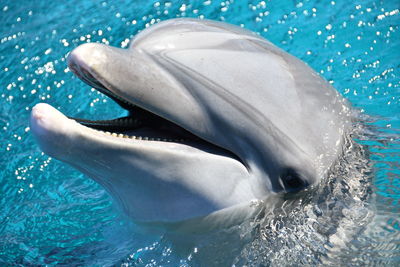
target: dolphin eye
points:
(292, 181)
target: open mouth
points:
(139, 124)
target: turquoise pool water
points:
(52, 214)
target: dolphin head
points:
(218, 116)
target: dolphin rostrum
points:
(218, 117)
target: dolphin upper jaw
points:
(134, 77)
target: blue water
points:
(52, 214)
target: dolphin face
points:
(218, 116)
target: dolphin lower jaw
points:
(134, 169)
(138, 172)
(148, 179)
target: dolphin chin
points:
(218, 117)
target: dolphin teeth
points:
(128, 122)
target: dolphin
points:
(218, 117)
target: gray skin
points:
(282, 124)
